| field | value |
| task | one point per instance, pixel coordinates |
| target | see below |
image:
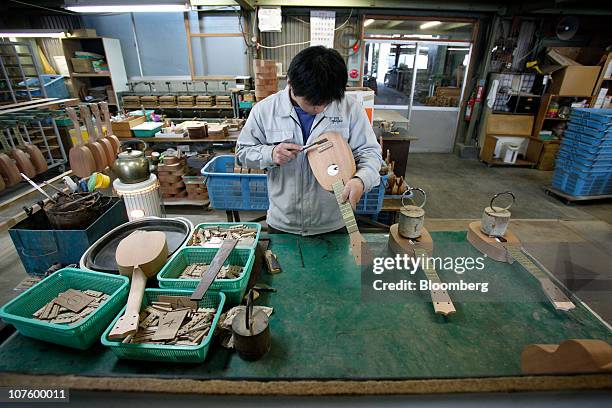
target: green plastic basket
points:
(80, 335)
(163, 352)
(255, 225)
(233, 288)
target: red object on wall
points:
(469, 109)
(354, 74)
(356, 47)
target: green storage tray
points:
(162, 352)
(233, 288)
(255, 225)
(80, 335)
(147, 129)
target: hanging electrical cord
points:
(44, 8)
(268, 47)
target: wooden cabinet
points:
(505, 125)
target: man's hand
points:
(353, 190)
(283, 153)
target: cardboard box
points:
(82, 65)
(123, 128)
(365, 96)
(84, 32)
(574, 80)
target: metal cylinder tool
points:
(495, 220)
(251, 332)
(412, 217)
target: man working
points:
(312, 103)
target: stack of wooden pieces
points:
(224, 101)
(173, 320)
(196, 190)
(234, 124)
(244, 170)
(131, 101)
(218, 131)
(197, 270)
(149, 101)
(186, 101)
(170, 178)
(71, 306)
(167, 101)
(205, 101)
(266, 81)
(214, 235)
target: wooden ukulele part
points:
(333, 164)
(400, 245)
(96, 148)
(81, 159)
(106, 144)
(332, 160)
(109, 131)
(568, 357)
(140, 255)
(422, 247)
(8, 168)
(509, 249)
(491, 246)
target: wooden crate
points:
(123, 128)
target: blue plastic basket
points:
(55, 87)
(240, 192)
(592, 135)
(581, 184)
(583, 159)
(229, 191)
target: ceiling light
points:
(458, 49)
(32, 33)
(429, 24)
(368, 22)
(135, 8)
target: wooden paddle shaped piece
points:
(109, 130)
(109, 150)
(36, 156)
(140, 255)
(96, 148)
(8, 168)
(333, 164)
(22, 159)
(82, 161)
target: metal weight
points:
(412, 217)
(495, 220)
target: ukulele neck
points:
(358, 244)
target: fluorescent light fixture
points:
(368, 22)
(429, 24)
(135, 8)
(32, 33)
(458, 49)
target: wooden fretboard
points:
(359, 246)
(440, 299)
(556, 296)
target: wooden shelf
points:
(183, 140)
(518, 163)
(184, 201)
(557, 119)
(92, 75)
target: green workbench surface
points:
(321, 329)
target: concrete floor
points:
(575, 242)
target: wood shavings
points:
(81, 303)
(197, 270)
(184, 324)
(213, 236)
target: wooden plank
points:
(509, 125)
(20, 104)
(214, 268)
(49, 105)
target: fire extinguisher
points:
(470, 108)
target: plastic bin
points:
(55, 87)
(231, 191)
(167, 352)
(147, 129)
(578, 183)
(80, 335)
(234, 289)
(255, 225)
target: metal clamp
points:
(500, 194)
(415, 189)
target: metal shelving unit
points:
(17, 69)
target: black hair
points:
(318, 74)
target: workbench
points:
(327, 340)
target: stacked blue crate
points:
(584, 162)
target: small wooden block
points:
(570, 356)
(272, 262)
(74, 300)
(490, 246)
(179, 301)
(169, 325)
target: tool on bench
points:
(214, 268)
(251, 332)
(333, 164)
(492, 237)
(140, 255)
